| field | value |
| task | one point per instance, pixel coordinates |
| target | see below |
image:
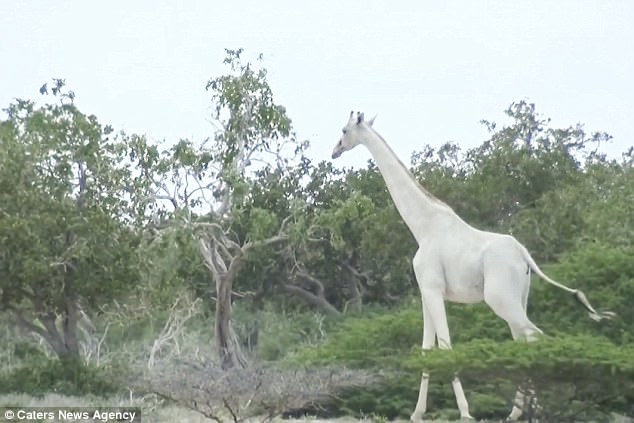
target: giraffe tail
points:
(579, 295)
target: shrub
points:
(575, 377)
(606, 275)
(375, 339)
(381, 341)
(38, 375)
(270, 335)
(236, 394)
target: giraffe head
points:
(352, 133)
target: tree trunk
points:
(225, 258)
(353, 283)
(227, 346)
(69, 323)
(64, 343)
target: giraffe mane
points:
(422, 189)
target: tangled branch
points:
(240, 393)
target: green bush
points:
(575, 377)
(375, 339)
(37, 375)
(606, 275)
(27, 351)
(381, 340)
(278, 333)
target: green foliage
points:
(38, 376)
(68, 200)
(529, 179)
(574, 376)
(371, 340)
(609, 217)
(27, 351)
(279, 333)
(606, 275)
(534, 159)
(375, 340)
(77, 200)
(345, 219)
(253, 127)
(391, 398)
(247, 99)
(169, 262)
(383, 338)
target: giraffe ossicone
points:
(455, 261)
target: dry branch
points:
(240, 393)
(183, 309)
(315, 296)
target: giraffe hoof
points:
(515, 415)
(416, 418)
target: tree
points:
(209, 186)
(527, 179)
(67, 231)
(368, 246)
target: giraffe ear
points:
(359, 118)
(371, 121)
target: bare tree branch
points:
(181, 311)
(315, 297)
(239, 393)
(172, 199)
(314, 281)
(316, 300)
(361, 275)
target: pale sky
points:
(430, 70)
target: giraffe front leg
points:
(421, 404)
(429, 339)
(434, 301)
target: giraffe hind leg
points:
(506, 292)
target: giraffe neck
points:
(420, 210)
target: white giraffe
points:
(454, 261)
